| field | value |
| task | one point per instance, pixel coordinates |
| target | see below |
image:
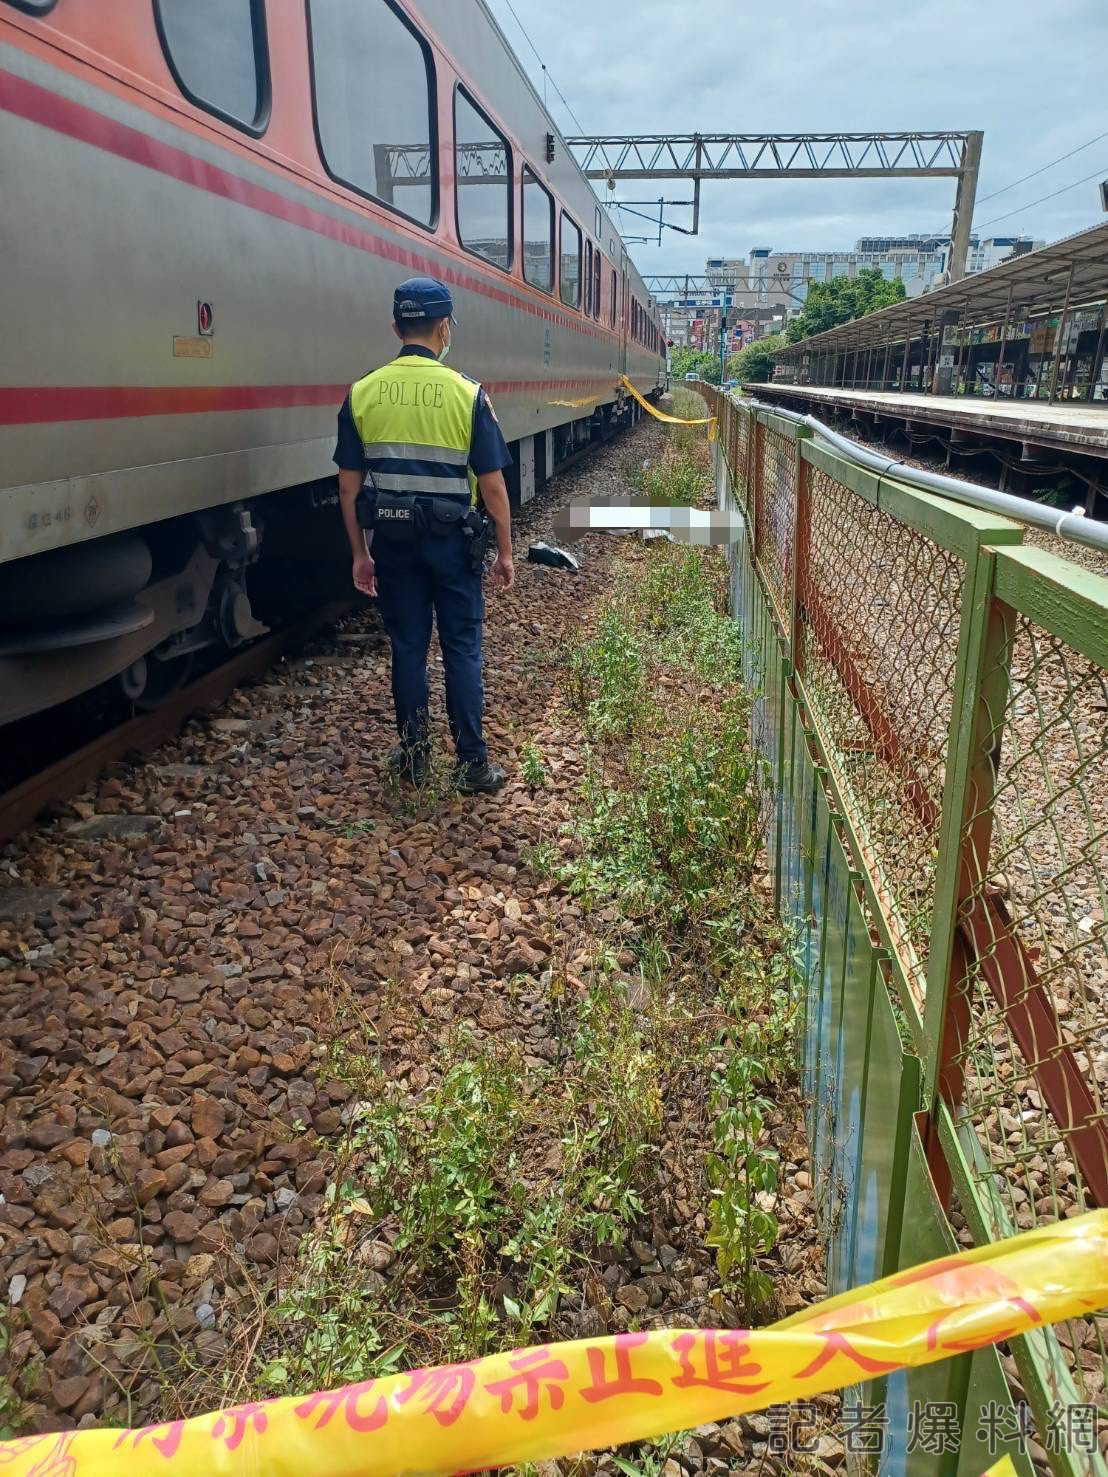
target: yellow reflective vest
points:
(415, 417)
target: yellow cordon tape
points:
(541, 1403)
(671, 420)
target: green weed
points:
(348, 830)
(532, 766)
(741, 1168)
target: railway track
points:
(23, 802)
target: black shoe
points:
(410, 764)
(478, 778)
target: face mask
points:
(444, 351)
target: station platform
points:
(1074, 426)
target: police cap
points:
(422, 300)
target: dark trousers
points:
(413, 580)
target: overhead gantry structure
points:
(954, 154)
(690, 289)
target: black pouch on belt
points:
(365, 506)
(447, 513)
(397, 518)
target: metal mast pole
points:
(963, 204)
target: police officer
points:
(428, 439)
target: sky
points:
(1030, 73)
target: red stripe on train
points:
(39, 105)
(36, 405)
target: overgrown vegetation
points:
(456, 1215)
(474, 1205)
(671, 832)
(675, 477)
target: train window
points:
(597, 260)
(216, 50)
(379, 139)
(570, 266)
(588, 277)
(36, 7)
(613, 303)
(538, 233)
(482, 184)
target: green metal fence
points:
(933, 701)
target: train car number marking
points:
(192, 347)
(35, 521)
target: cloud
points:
(1029, 74)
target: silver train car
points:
(206, 206)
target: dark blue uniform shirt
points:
(488, 451)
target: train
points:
(206, 207)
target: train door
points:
(625, 317)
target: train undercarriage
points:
(134, 612)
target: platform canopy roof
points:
(1039, 282)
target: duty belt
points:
(404, 519)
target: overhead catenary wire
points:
(545, 69)
(1042, 168)
(1097, 174)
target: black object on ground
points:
(556, 558)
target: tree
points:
(755, 363)
(687, 360)
(843, 298)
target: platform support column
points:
(1098, 357)
(1063, 324)
(963, 355)
(1003, 345)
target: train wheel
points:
(162, 679)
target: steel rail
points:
(20, 805)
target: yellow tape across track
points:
(546, 1402)
(671, 420)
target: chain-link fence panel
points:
(775, 514)
(880, 613)
(1034, 1018)
(743, 432)
(956, 687)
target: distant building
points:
(677, 324)
(994, 250)
(769, 278)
